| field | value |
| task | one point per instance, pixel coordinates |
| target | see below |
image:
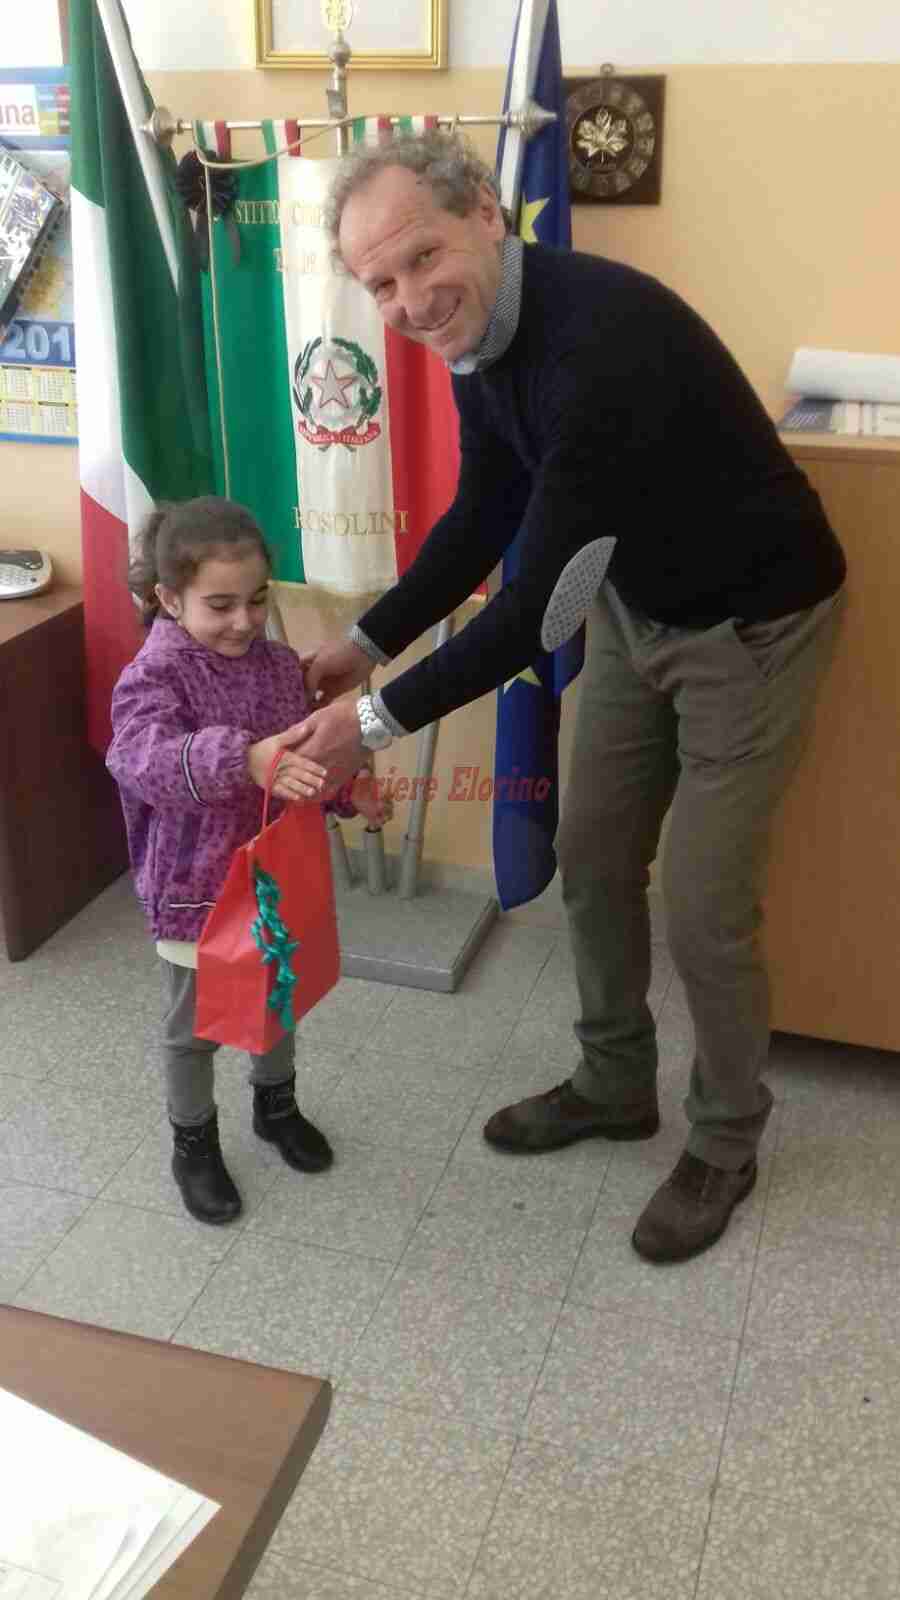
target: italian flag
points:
(143, 420)
(341, 436)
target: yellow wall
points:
(779, 221)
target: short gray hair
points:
(445, 161)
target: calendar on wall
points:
(38, 399)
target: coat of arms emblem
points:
(337, 394)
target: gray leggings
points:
(188, 1060)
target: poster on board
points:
(37, 356)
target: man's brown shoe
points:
(690, 1211)
(559, 1117)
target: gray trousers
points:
(188, 1061)
(710, 722)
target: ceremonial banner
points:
(339, 435)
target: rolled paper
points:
(844, 375)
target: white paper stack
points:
(80, 1520)
(844, 392)
(844, 375)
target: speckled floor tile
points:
(802, 1069)
(399, 1499)
(568, 1528)
(708, 1293)
(455, 1348)
(15, 1093)
(61, 1137)
(631, 1378)
(390, 1101)
(283, 1305)
(822, 1434)
(32, 1223)
(347, 1017)
(279, 1577)
(512, 1228)
(759, 1550)
(634, 1391)
(368, 1203)
(91, 1022)
(811, 1299)
(468, 1029)
(836, 1089)
(441, 1029)
(833, 1187)
(553, 1006)
(127, 1269)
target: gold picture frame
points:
(422, 22)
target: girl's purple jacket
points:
(183, 718)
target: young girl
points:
(197, 719)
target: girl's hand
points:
(297, 777)
(369, 800)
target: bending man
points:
(594, 404)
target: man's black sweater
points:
(615, 411)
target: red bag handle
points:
(270, 779)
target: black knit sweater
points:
(615, 410)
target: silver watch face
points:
(376, 736)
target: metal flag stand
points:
(430, 934)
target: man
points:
(595, 405)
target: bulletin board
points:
(38, 401)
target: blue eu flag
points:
(535, 190)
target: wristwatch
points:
(372, 731)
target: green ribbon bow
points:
(277, 947)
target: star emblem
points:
(332, 389)
(531, 210)
(528, 676)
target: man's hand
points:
(331, 738)
(334, 669)
(298, 777)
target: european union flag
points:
(534, 188)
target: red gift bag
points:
(269, 947)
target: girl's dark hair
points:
(177, 538)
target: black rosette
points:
(190, 181)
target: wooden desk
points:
(241, 1434)
(833, 901)
(62, 837)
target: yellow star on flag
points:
(528, 676)
(531, 210)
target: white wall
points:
(170, 34)
(210, 34)
(32, 39)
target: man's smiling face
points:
(434, 275)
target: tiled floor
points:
(524, 1410)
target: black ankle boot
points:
(276, 1118)
(201, 1174)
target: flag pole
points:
(133, 99)
(415, 832)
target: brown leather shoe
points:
(690, 1211)
(559, 1117)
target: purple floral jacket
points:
(183, 718)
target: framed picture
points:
(385, 35)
